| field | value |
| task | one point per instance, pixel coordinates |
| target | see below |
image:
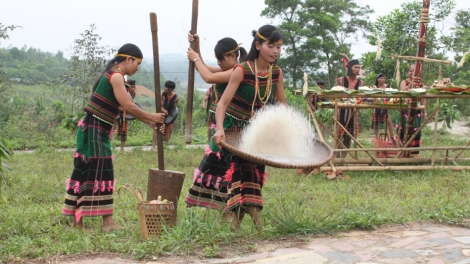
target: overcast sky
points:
(53, 25)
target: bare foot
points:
(78, 224)
(235, 223)
(109, 224)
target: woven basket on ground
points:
(153, 217)
(323, 153)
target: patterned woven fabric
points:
(245, 178)
(209, 189)
(103, 103)
(239, 111)
(90, 188)
(121, 126)
(347, 117)
(379, 116)
(415, 116)
(416, 123)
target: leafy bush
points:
(6, 152)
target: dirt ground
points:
(459, 127)
(394, 231)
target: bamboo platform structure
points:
(370, 160)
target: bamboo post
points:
(396, 168)
(340, 145)
(156, 76)
(365, 106)
(359, 144)
(460, 153)
(416, 133)
(320, 135)
(189, 108)
(400, 125)
(447, 157)
(436, 118)
(423, 26)
(336, 148)
(408, 149)
(386, 161)
(395, 56)
(340, 137)
(355, 113)
(335, 127)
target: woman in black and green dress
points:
(253, 84)
(91, 186)
(415, 116)
(209, 189)
(381, 116)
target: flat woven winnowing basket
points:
(323, 153)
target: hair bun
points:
(253, 33)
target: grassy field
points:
(31, 224)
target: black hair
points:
(226, 45)
(320, 83)
(269, 32)
(131, 82)
(170, 84)
(126, 49)
(380, 75)
(352, 63)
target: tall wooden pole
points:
(423, 26)
(156, 76)
(189, 107)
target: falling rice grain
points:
(280, 133)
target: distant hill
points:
(31, 66)
(142, 90)
(174, 66)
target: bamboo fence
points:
(372, 161)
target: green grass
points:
(31, 224)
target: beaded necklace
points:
(117, 68)
(263, 99)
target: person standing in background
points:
(121, 124)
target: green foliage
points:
(398, 32)
(295, 101)
(457, 41)
(448, 113)
(4, 31)
(36, 118)
(325, 115)
(6, 152)
(292, 218)
(32, 66)
(85, 66)
(70, 122)
(314, 35)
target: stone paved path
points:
(416, 243)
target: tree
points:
(398, 32)
(85, 66)
(5, 148)
(457, 42)
(4, 88)
(293, 33)
(315, 33)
